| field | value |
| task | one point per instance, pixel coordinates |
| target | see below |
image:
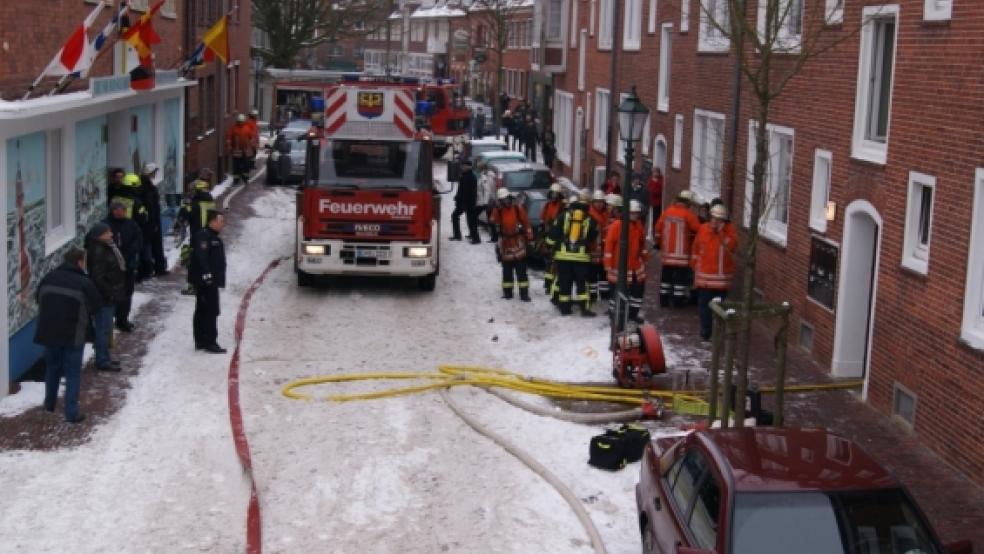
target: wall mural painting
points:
(90, 172)
(26, 177)
(141, 137)
(170, 180)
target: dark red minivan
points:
(775, 491)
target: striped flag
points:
(76, 55)
(105, 36)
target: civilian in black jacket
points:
(129, 239)
(464, 203)
(207, 274)
(67, 299)
(107, 269)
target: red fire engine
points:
(368, 207)
(448, 117)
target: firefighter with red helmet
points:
(673, 235)
(515, 233)
(636, 258)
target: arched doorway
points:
(856, 291)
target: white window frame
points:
(606, 24)
(711, 39)
(592, 18)
(677, 142)
(59, 190)
(632, 25)
(553, 29)
(574, 22)
(834, 12)
(820, 194)
(972, 329)
(937, 10)
(417, 31)
(915, 252)
(563, 125)
(651, 27)
(664, 75)
(770, 226)
(684, 16)
(587, 111)
(647, 136)
(602, 98)
(582, 59)
(706, 180)
(789, 38)
(862, 147)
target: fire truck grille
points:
(371, 255)
(368, 231)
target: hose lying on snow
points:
(538, 468)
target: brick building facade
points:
(875, 233)
(223, 90)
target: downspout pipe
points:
(612, 91)
(739, 40)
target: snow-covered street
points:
(401, 474)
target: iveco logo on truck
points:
(368, 228)
(399, 209)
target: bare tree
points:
(771, 48)
(295, 25)
(495, 16)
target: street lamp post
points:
(632, 116)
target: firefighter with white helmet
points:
(571, 238)
(597, 283)
(636, 258)
(673, 235)
(515, 233)
(713, 263)
(548, 215)
(239, 144)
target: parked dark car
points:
(286, 158)
(775, 490)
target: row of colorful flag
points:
(79, 53)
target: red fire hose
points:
(253, 536)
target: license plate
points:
(370, 253)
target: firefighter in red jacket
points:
(515, 233)
(673, 235)
(635, 266)
(597, 281)
(548, 215)
(239, 145)
(713, 262)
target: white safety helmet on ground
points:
(613, 200)
(598, 196)
(718, 211)
(503, 193)
(556, 188)
(635, 206)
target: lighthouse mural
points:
(26, 262)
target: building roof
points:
(437, 12)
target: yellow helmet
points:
(131, 180)
(200, 184)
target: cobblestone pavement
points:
(953, 504)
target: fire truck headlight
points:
(315, 249)
(417, 252)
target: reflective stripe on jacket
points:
(674, 233)
(636, 260)
(713, 257)
(514, 231)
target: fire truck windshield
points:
(373, 164)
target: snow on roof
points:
(497, 5)
(21, 109)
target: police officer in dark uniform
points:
(207, 274)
